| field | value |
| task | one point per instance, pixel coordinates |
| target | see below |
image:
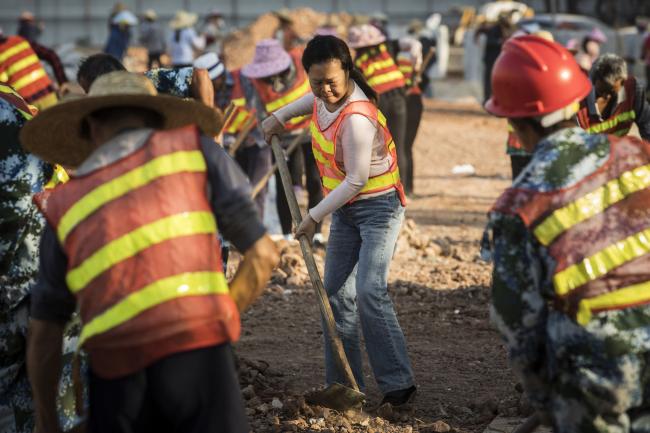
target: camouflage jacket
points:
(538, 337)
(21, 175)
(174, 82)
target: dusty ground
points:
(438, 284)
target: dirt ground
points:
(438, 284)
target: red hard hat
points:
(533, 77)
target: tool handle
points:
(259, 186)
(314, 275)
(242, 136)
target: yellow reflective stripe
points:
(385, 78)
(319, 157)
(8, 89)
(46, 101)
(608, 124)
(592, 203)
(22, 64)
(602, 262)
(406, 69)
(130, 244)
(378, 65)
(326, 145)
(152, 295)
(380, 182)
(28, 79)
(172, 163)
(295, 94)
(627, 296)
(299, 119)
(14, 50)
(374, 183)
(237, 122)
(622, 132)
(239, 102)
(381, 118)
(330, 183)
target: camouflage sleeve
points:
(518, 308)
(174, 82)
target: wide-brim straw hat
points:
(150, 14)
(56, 134)
(183, 19)
(270, 59)
(365, 35)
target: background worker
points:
(31, 30)
(409, 60)
(229, 88)
(279, 79)
(158, 341)
(357, 160)
(383, 75)
(616, 102)
(21, 69)
(152, 36)
(570, 283)
(184, 41)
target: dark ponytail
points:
(322, 49)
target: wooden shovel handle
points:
(314, 275)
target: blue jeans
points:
(359, 250)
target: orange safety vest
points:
(324, 149)
(621, 120)
(274, 101)
(380, 70)
(22, 70)
(144, 261)
(406, 65)
(241, 114)
(597, 231)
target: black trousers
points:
(393, 105)
(154, 57)
(301, 157)
(518, 163)
(414, 108)
(255, 161)
(189, 392)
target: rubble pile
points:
(239, 46)
(272, 408)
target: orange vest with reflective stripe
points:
(241, 114)
(10, 95)
(406, 65)
(597, 231)
(621, 120)
(144, 261)
(324, 149)
(274, 101)
(21, 68)
(380, 70)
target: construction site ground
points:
(440, 288)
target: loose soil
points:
(439, 286)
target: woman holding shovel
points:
(357, 162)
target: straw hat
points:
(365, 35)
(270, 59)
(183, 19)
(55, 135)
(150, 14)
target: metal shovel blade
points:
(336, 396)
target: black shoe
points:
(400, 397)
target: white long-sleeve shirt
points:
(360, 152)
